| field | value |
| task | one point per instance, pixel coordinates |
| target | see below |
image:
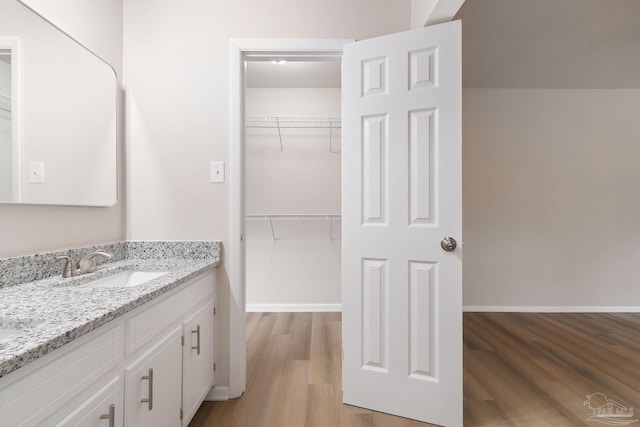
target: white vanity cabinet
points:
(153, 384)
(151, 367)
(197, 359)
(177, 336)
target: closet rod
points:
(270, 218)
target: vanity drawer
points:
(94, 408)
(33, 397)
(142, 327)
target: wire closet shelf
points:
(295, 122)
(5, 103)
(270, 217)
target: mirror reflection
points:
(6, 168)
(57, 115)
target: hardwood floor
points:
(526, 369)
(519, 370)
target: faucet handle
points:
(69, 266)
(87, 263)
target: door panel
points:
(374, 320)
(420, 166)
(374, 164)
(421, 311)
(402, 299)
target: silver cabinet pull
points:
(111, 416)
(197, 347)
(150, 379)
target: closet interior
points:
(293, 186)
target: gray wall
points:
(551, 212)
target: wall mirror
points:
(58, 114)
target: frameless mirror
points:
(58, 110)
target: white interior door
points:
(402, 296)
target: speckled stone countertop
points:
(43, 315)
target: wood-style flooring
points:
(520, 369)
(530, 369)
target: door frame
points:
(241, 50)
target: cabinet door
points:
(102, 409)
(153, 385)
(197, 359)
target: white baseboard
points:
(549, 309)
(293, 308)
(218, 394)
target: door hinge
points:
(214, 311)
(181, 413)
(182, 340)
(214, 367)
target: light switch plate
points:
(36, 172)
(217, 171)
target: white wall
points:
(305, 177)
(551, 210)
(420, 11)
(176, 69)
(302, 265)
(27, 229)
(299, 270)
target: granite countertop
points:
(52, 312)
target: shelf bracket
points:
(279, 134)
(330, 134)
(331, 228)
(273, 234)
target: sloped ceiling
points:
(559, 44)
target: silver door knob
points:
(448, 244)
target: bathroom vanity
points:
(91, 351)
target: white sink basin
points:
(125, 279)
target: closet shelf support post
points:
(279, 136)
(273, 234)
(331, 228)
(330, 134)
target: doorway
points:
(242, 52)
(293, 185)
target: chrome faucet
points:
(87, 264)
(69, 267)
